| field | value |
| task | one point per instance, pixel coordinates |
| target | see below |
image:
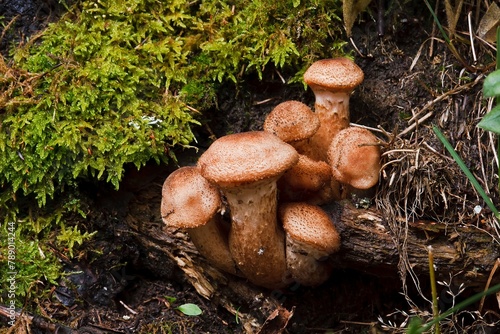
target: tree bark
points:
(466, 252)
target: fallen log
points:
(467, 253)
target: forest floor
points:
(116, 285)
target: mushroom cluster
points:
(251, 204)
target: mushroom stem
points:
(211, 240)
(304, 268)
(255, 241)
(332, 109)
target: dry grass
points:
(420, 181)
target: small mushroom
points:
(332, 81)
(354, 156)
(190, 202)
(308, 180)
(310, 238)
(246, 167)
(292, 121)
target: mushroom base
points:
(211, 240)
(303, 267)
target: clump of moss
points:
(114, 83)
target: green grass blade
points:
(441, 29)
(459, 307)
(466, 171)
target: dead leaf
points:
(489, 23)
(277, 321)
(351, 10)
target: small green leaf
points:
(491, 121)
(170, 299)
(190, 309)
(491, 86)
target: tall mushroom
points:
(190, 202)
(246, 167)
(354, 156)
(310, 238)
(332, 81)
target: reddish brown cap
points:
(310, 226)
(340, 74)
(354, 156)
(246, 157)
(292, 121)
(188, 199)
(308, 174)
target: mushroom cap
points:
(292, 121)
(311, 227)
(188, 199)
(307, 174)
(340, 74)
(246, 157)
(354, 156)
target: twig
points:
(435, 305)
(6, 28)
(471, 36)
(128, 308)
(416, 120)
(263, 101)
(433, 33)
(382, 131)
(493, 270)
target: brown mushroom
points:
(310, 238)
(308, 180)
(354, 156)
(246, 166)
(332, 81)
(190, 202)
(292, 121)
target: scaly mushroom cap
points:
(246, 157)
(354, 156)
(311, 227)
(291, 121)
(188, 199)
(307, 174)
(340, 74)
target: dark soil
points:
(118, 286)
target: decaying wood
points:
(467, 253)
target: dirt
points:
(118, 286)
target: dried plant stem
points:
(417, 119)
(435, 306)
(498, 97)
(493, 271)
